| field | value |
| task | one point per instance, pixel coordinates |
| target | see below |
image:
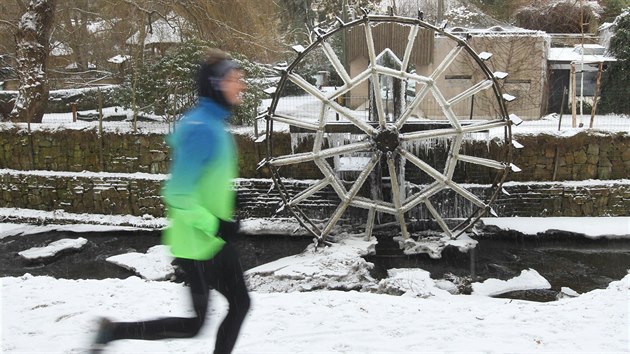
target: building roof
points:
(159, 31)
(587, 53)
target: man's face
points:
(233, 87)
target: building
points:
(521, 53)
(574, 72)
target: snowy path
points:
(46, 315)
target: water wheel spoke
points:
(478, 127)
(310, 156)
(378, 205)
(467, 194)
(422, 196)
(438, 218)
(319, 185)
(380, 111)
(347, 199)
(369, 41)
(480, 86)
(446, 132)
(347, 113)
(402, 74)
(336, 63)
(448, 60)
(412, 107)
(396, 196)
(446, 108)
(376, 86)
(428, 134)
(483, 161)
(451, 161)
(363, 176)
(326, 170)
(413, 33)
(369, 224)
(319, 136)
(341, 208)
(283, 118)
(435, 174)
(364, 75)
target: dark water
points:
(89, 262)
(564, 260)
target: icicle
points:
(423, 147)
(297, 139)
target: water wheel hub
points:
(387, 139)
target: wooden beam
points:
(597, 87)
(573, 96)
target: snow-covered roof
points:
(496, 30)
(101, 26)
(587, 53)
(59, 49)
(119, 59)
(159, 31)
(74, 66)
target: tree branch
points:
(9, 23)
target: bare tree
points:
(32, 39)
(566, 16)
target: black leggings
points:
(223, 273)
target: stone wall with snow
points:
(45, 170)
(59, 101)
(138, 194)
(545, 157)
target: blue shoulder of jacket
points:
(195, 144)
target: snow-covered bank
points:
(46, 315)
(30, 221)
(42, 221)
(591, 227)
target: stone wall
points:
(132, 194)
(42, 171)
(138, 194)
(579, 157)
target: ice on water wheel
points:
(380, 143)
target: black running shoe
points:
(103, 336)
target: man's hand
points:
(228, 229)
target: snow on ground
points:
(47, 315)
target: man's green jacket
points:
(199, 191)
